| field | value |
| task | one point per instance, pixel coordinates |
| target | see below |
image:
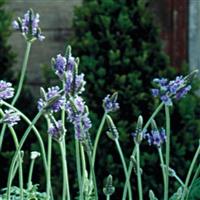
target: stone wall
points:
(56, 21)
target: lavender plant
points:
(59, 105)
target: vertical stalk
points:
(66, 193)
(107, 197)
(167, 115)
(97, 138)
(23, 72)
(19, 88)
(49, 152)
(134, 150)
(89, 154)
(78, 164)
(190, 172)
(139, 172)
(124, 167)
(83, 170)
(9, 182)
(30, 173)
(163, 169)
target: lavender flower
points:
(76, 86)
(110, 103)
(11, 117)
(6, 90)
(77, 115)
(56, 130)
(71, 63)
(29, 26)
(167, 90)
(52, 100)
(60, 64)
(156, 137)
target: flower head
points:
(78, 116)
(56, 130)
(167, 90)
(11, 117)
(110, 103)
(52, 100)
(156, 137)
(60, 64)
(6, 90)
(29, 26)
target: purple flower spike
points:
(71, 63)
(156, 137)
(110, 103)
(56, 130)
(60, 64)
(53, 102)
(6, 90)
(11, 117)
(167, 90)
(29, 26)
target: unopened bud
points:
(109, 189)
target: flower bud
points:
(34, 155)
(112, 133)
(152, 195)
(109, 189)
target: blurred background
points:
(122, 45)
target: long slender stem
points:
(107, 197)
(190, 172)
(97, 138)
(134, 150)
(83, 170)
(16, 142)
(31, 173)
(49, 152)
(19, 88)
(21, 181)
(124, 166)
(9, 183)
(139, 172)
(78, 165)
(23, 72)
(66, 193)
(163, 168)
(167, 116)
(26, 119)
(127, 181)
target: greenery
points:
(120, 50)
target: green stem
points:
(190, 172)
(30, 173)
(139, 172)
(127, 180)
(66, 193)
(26, 119)
(194, 177)
(16, 142)
(167, 159)
(163, 168)
(23, 72)
(179, 180)
(49, 152)
(97, 138)
(78, 165)
(24, 137)
(125, 167)
(83, 170)
(89, 154)
(134, 150)
(21, 182)
(107, 197)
